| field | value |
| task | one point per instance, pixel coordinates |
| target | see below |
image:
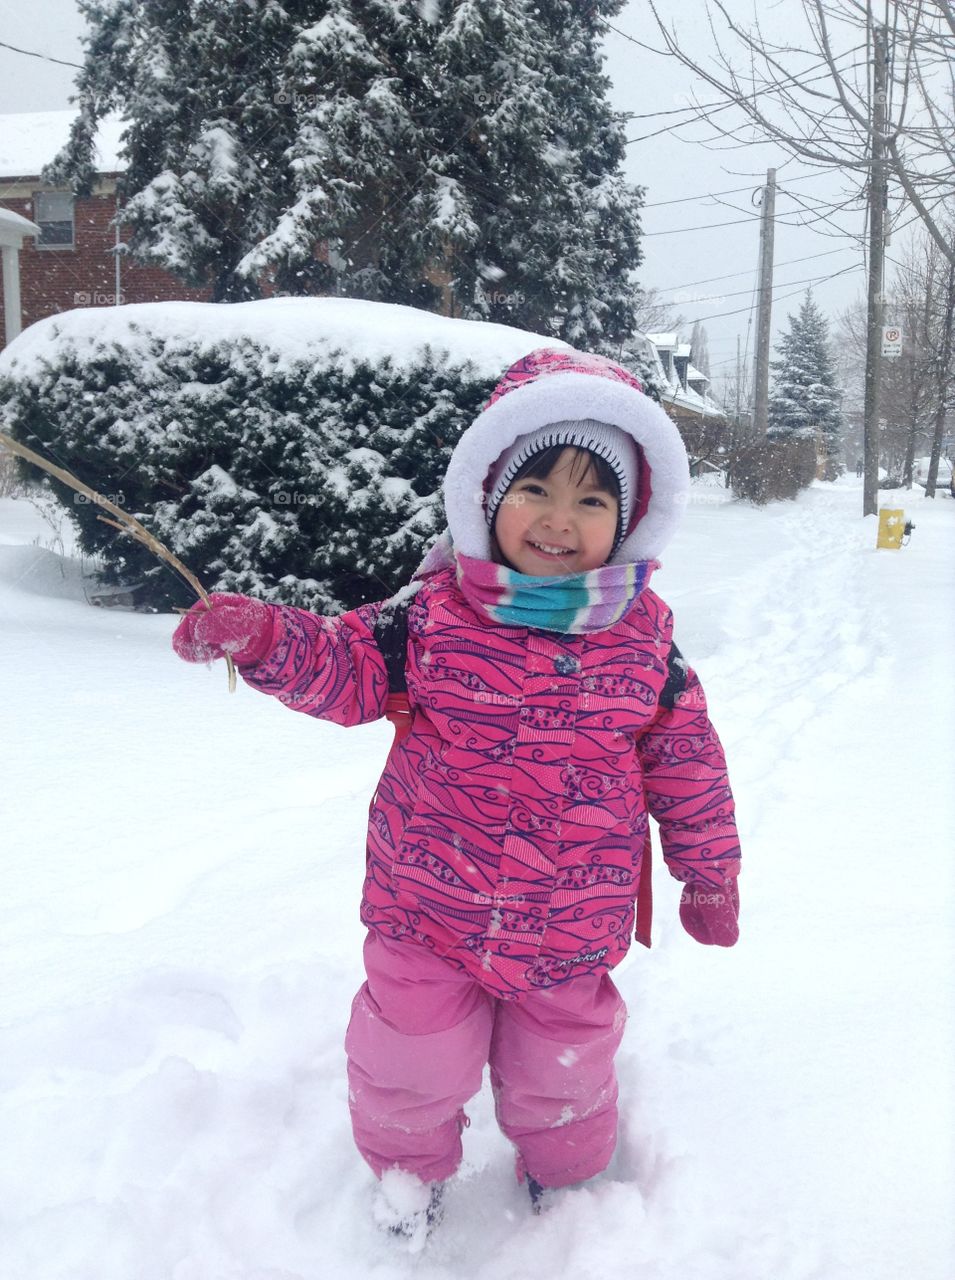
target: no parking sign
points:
(891, 341)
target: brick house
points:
(71, 262)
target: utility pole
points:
(736, 435)
(739, 378)
(764, 312)
(873, 346)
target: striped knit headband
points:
(616, 447)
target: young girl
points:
(549, 710)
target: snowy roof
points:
(683, 351)
(672, 390)
(13, 228)
(339, 331)
(644, 343)
(31, 139)
(687, 398)
(695, 375)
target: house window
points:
(54, 216)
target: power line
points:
(739, 311)
(711, 195)
(733, 222)
(710, 226)
(739, 293)
(809, 257)
(714, 108)
(45, 56)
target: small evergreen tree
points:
(467, 140)
(805, 399)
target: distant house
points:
(684, 391)
(67, 255)
(72, 261)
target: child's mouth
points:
(549, 550)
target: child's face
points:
(565, 523)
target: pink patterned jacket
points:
(510, 826)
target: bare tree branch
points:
(830, 124)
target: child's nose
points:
(557, 517)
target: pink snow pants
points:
(419, 1036)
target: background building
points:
(72, 262)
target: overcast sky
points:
(681, 175)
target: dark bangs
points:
(586, 464)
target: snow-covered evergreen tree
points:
(464, 143)
(804, 398)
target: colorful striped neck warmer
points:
(570, 604)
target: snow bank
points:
(287, 330)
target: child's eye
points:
(529, 487)
(599, 502)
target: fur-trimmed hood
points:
(556, 383)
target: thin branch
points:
(831, 126)
(900, 171)
(126, 524)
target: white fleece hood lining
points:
(554, 397)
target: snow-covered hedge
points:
(290, 449)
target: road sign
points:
(891, 341)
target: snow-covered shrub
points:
(275, 464)
(776, 468)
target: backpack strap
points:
(676, 678)
(674, 686)
(644, 916)
(391, 637)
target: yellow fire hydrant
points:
(891, 528)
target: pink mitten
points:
(710, 915)
(235, 624)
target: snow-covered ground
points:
(180, 945)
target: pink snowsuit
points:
(505, 847)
